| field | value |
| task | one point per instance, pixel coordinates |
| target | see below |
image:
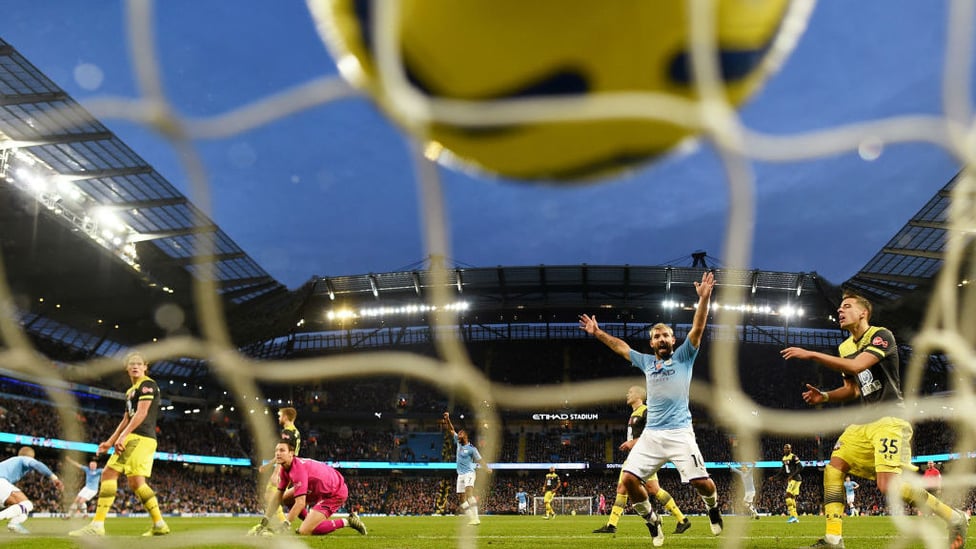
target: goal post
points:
(564, 505)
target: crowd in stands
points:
(372, 420)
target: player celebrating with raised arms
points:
(93, 475)
(744, 472)
(467, 456)
(668, 434)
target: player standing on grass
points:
(744, 471)
(635, 426)
(313, 491)
(791, 470)
(877, 450)
(849, 487)
(93, 474)
(134, 441)
(668, 435)
(16, 505)
(932, 479)
(467, 457)
(522, 498)
(549, 488)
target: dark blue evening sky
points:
(332, 191)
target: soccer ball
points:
(483, 52)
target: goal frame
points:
(564, 505)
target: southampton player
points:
(878, 448)
(668, 435)
(790, 469)
(134, 441)
(635, 426)
(549, 488)
(16, 506)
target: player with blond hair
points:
(134, 441)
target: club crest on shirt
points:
(659, 365)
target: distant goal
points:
(564, 505)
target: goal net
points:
(564, 505)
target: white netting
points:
(948, 327)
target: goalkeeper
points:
(313, 491)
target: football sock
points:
(327, 526)
(710, 500)
(643, 508)
(926, 501)
(791, 505)
(618, 509)
(16, 510)
(834, 501)
(106, 497)
(669, 504)
(149, 501)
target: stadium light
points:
(401, 310)
(68, 203)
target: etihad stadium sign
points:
(566, 417)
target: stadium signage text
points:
(564, 417)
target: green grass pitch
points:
(495, 532)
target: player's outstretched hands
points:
(813, 395)
(588, 323)
(704, 288)
(795, 352)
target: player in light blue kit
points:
(849, 487)
(93, 476)
(668, 435)
(467, 457)
(744, 471)
(16, 505)
(522, 497)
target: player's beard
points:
(664, 351)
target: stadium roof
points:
(547, 293)
(94, 240)
(912, 258)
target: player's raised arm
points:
(704, 290)
(589, 325)
(447, 423)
